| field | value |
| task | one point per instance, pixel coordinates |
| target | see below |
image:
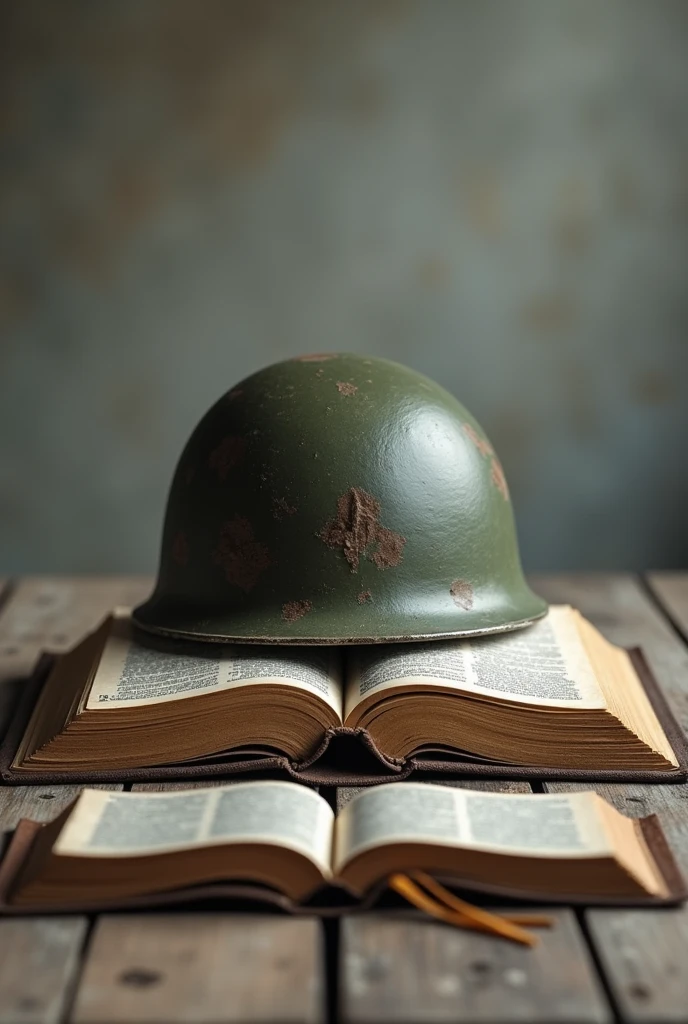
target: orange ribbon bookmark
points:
(447, 907)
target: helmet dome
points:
(337, 499)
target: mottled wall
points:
(493, 192)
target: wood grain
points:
(430, 972)
(52, 613)
(395, 969)
(39, 803)
(671, 590)
(202, 968)
(39, 959)
(639, 950)
(644, 955)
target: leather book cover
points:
(330, 901)
(346, 757)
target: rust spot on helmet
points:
(282, 508)
(390, 548)
(240, 555)
(180, 548)
(235, 393)
(481, 443)
(487, 451)
(364, 596)
(357, 531)
(498, 478)
(228, 454)
(344, 387)
(318, 357)
(292, 611)
(462, 594)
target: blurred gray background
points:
(495, 193)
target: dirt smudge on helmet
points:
(462, 594)
(364, 597)
(228, 454)
(498, 478)
(481, 443)
(390, 548)
(180, 548)
(282, 508)
(292, 611)
(487, 451)
(240, 555)
(344, 387)
(357, 531)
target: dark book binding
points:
(346, 757)
(330, 901)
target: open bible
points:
(554, 696)
(109, 846)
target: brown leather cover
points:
(346, 757)
(331, 901)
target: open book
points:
(554, 696)
(113, 846)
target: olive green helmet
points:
(338, 499)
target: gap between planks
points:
(641, 952)
(46, 613)
(406, 968)
(670, 590)
(203, 968)
(185, 967)
(614, 603)
(39, 956)
(52, 613)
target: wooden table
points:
(598, 965)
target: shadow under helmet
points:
(338, 499)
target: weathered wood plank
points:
(462, 976)
(39, 959)
(396, 969)
(644, 955)
(671, 590)
(39, 803)
(639, 950)
(347, 793)
(642, 951)
(202, 968)
(52, 613)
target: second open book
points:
(110, 848)
(555, 696)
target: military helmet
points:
(336, 499)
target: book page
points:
(131, 673)
(551, 825)
(106, 824)
(545, 664)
